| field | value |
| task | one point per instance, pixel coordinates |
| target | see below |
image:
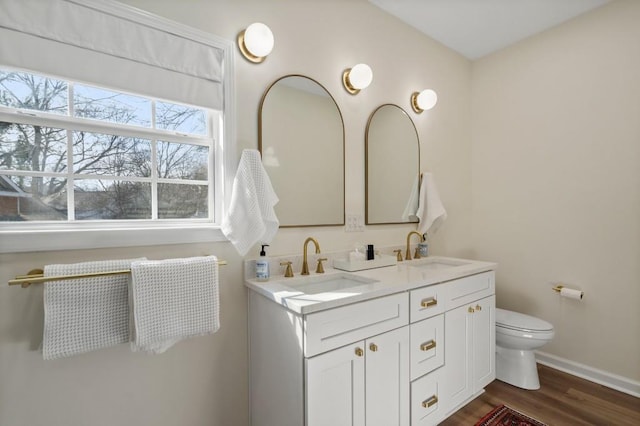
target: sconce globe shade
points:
(357, 78)
(256, 42)
(424, 100)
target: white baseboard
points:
(601, 377)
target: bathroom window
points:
(107, 143)
(73, 152)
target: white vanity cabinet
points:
(464, 335)
(366, 383)
(345, 366)
(407, 357)
(469, 340)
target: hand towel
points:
(85, 314)
(172, 300)
(251, 217)
(431, 212)
(411, 208)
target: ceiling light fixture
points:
(256, 42)
(425, 100)
(357, 78)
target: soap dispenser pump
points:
(262, 265)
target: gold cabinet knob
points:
(431, 401)
(478, 308)
(359, 352)
(425, 303)
(373, 347)
(427, 346)
(471, 310)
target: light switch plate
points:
(355, 223)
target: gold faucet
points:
(305, 265)
(408, 253)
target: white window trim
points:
(91, 235)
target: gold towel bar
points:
(36, 276)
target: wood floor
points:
(562, 400)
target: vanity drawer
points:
(426, 302)
(468, 289)
(427, 345)
(337, 327)
(426, 409)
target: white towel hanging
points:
(431, 212)
(85, 314)
(171, 300)
(251, 217)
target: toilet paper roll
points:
(571, 293)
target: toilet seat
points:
(516, 321)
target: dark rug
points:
(507, 416)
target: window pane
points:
(28, 198)
(181, 118)
(106, 199)
(34, 92)
(106, 105)
(182, 201)
(182, 161)
(36, 148)
(112, 155)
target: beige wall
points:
(203, 381)
(556, 181)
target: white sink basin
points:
(427, 263)
(316, 284)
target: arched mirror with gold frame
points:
(392, 167)
(301, 139)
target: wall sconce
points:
(256, 42)
(357, 78)
(425, 100)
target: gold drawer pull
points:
(478, 308)
(471, 310)
(359, 352)
(428, 302)
(428, 345)
(431, 401)
(373, 347)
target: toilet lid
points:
(518, 321)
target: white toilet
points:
(517, 336)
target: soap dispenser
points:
(262, 265)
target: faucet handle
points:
(289, 271)
(416, 254)
(398, 255)
(320, 269)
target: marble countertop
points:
(378, 282)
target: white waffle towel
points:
(172, 300)
(85, 314)
(431, 212)
(251, 217)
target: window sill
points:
(65, 239)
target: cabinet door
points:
(484, 338)
(335, 387)
(387, 379)
(458, 328)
